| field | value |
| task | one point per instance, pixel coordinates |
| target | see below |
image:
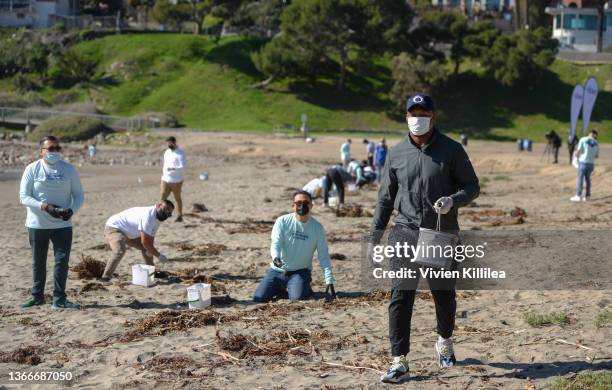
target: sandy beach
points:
(128, 336)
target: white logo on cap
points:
(418, 99)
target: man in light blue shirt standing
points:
(295, 237)
(51, 191)
(345, 153)
(587, 151)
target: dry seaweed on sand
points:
(337, 256)
(199, 208)
(352, 211)
(22, 355)
(28, 321)
(92, 287)
(89, 268)
(100, 247)
(167, 321)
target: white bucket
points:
(333, 201)
(198, 296)
(143, 275)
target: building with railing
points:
(575, 25)
(34, 13)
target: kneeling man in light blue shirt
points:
(295, 238)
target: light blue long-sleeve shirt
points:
(345, 151)
(355, 169)
(57, 184)
(295, 242)
(588, 150)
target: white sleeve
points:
(148, 224)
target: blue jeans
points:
(379, 169)
(584, 171)
(62, 243)
(295, 284)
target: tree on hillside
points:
(142, 6)
(520, 57)
(262, 15)
(446, 27)
(101, 7)
(197, 10)
(414, 74)
(323, 32)
(168, 14)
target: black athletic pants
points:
(402, 300)
(333, 177)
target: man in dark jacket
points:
(425, 174)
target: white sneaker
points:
(445, 353)
(586, 198)
(398, 372)
(575, 198)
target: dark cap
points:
(170, 139)
(420, 99)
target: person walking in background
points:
(135, 227)
(173, 175)
(379, 158)
(52, 192)
(554, 142)
(587, 151)
(295, 238)
(92, 150)
(345, 153)
(572, 141)
(370, 149)
(427, 178)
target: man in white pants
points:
(173, 174)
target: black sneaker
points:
(445, 353)
(32, 302)
(398, 372)
(179, 219)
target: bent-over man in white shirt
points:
(173, 175)
(135, 227)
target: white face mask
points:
(418, 125)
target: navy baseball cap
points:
(420, 99)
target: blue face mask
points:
(52, 157)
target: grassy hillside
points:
(208, 85)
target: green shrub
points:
(28, 99)
(537, 320)
(604, 320)
(70, 128)
(166, 119)
(66, 97)
(585, 381)
(72, 68)
(26, 82)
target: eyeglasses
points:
(53, 148)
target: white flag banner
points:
(576, 106)
(590, 95)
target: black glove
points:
(53, 210)
(58, 212)
(66, 214)
(277, 262)
(330, 293)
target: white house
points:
(576, 28)
(34, 13)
